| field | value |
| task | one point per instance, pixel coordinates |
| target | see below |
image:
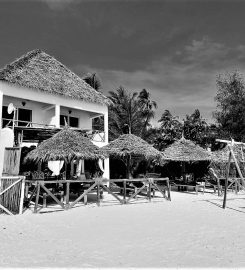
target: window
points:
(25, 116)
(21, 115)
(71, 121)
(7, 118)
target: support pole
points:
(226, 179)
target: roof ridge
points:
(19, 62)
(36, 66)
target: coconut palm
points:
(124, 115)
(170, 126)
(148, 107)
(93, 80)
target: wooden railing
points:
(12, 194)
(96, 185)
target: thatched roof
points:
(221, 156)
(129, 144)
(40, 71)
(66, 145)
(185, 150)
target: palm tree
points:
(148, 107)
(93, 80)
(170, 126)
(124, 114)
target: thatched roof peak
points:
(185, 150)
(40, 71)
(129, 144)
(66, 145)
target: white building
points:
(46, 95)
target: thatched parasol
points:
(66, 145)
(128, 146)
(185, 151)
(221, 156)
(219, 160)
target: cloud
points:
(57, 5)
(183, 81)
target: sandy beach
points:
(190, 231)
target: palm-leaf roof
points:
(66, 145)
(40, 71)
(221, 156)
(185, 150)
(131, 145)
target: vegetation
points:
(231, 106)
(132, 112)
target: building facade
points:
(44, 96)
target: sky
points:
(174, 49)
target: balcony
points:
(27, 131)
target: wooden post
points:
(149, 191)
(98, 191)
(44, 200)
(67, 194)
(124, 190)
(37, 197)
(22, 195)
(237, 166)
(226, 179)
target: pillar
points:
(106, 126)
(106, 173)
(57, 116)
(1, 147)
(1, 107)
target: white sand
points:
(189, 231)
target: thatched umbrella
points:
(128, 146)
(221, 156)
(219, 159)
(66, 145)
(185, 151)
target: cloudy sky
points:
(174, 49)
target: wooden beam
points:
(48, 107)
(229, 142)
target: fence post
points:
(22, 195)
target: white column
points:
(106, 173)
(1, 107)
(82, 163)
(1, 147)
(106, 126)
(57, 116)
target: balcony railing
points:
(94, 135)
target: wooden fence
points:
(150, 185)
(12, 194)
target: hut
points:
(184, 151)
(66, 145)
(129, 146)
(219, 160)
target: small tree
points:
(195, 128)
(170, 130)
(230, 109)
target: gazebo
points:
(184, 151)
(66, 145)
(129, 146)
(219, 159)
